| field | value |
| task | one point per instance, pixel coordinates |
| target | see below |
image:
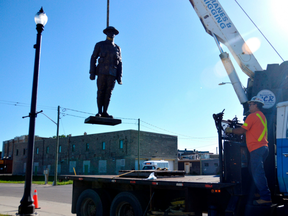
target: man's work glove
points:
(228, 130)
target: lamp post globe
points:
(41, 17)
(27, 203)
(40, 20)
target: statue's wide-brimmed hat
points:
(111, 29)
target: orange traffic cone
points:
(35, 198)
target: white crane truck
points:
(230, 193)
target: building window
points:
(17, 152)
(37, 150)
(59, 150)
(216, 164)
(24, 151)
(206, 164)
(121, 144)
(47, 150)
(87, 146)
(103, 145)
(73, 148)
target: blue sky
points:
(171, 66)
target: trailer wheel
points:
(89, 203)
(126, 204)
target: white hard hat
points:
(256, 99)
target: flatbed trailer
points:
(173, 195)
(124, 195)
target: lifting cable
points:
(259, 30)
(108, 6)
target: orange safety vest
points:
(256, 131)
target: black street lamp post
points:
(27, 207)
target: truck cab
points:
(154, 165)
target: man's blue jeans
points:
(257, 158)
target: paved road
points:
(53, 200)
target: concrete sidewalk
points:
(9, 205)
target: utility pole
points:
(57, 149)
(139, 144)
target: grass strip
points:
(37, 182)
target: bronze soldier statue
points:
(108, 69)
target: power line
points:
(13, 103)
(189, 137)
(259, 30)
(65, 109)
(127, 118)
(133, 119)
(21, 104)
(64, 113)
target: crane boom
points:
(217, 23)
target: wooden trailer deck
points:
(199, 181)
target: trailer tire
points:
(126, 203)
(89, 203)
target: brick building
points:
(104, 153)
(8, 146)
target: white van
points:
(154, 165)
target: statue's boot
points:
(99, 105)
(105, 108)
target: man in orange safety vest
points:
(255, 127)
